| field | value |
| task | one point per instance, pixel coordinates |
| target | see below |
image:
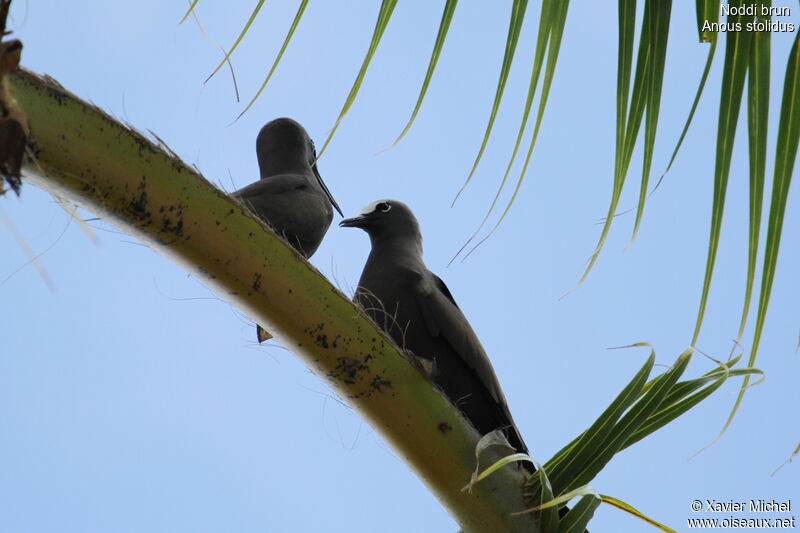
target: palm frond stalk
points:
(78, 152)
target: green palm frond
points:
(703, 78)
(737, 58)
(295, 22)
(514, 28)
(188, 11)
(83, 154)
(644, 97)
(640, 409)
(638, 98)
(444, 26)
(785, 157)
(551, 29)
(384, 14)
(707, 15)
(619, 504)
(238, 40)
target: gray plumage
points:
(290, 196)
(416, 309)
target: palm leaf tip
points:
(384, 15)
(518, 9)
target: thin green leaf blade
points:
(658, 45)
(626, 31)
(684, 388)
(757, 121)
(703, 78)
(707, 14)
(628, 119)
(576, 520)
(188, 12)
(384, 15)
(444, 26)
(551, 30)
(641, 78)
(247, 25)
(785, 156)
(737, 55)
(514, 27)
(794, 454)
(628, 508)
(574, 456)
(548, 516)
(556, 35)
(673, 408)
(300, 10)
(589, 466)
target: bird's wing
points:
(273, 185)
(442, 287)
(444, 319)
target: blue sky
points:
(132, 398)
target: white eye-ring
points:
(381, 206)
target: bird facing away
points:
(290, 196)
(417, 310)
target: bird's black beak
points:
(325, 189)
(355, 222)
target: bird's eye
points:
(383, 207)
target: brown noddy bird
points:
(290, 196)
(414, 306)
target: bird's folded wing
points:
(444, 319)
(278, 184)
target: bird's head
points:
(283, 145)
(385, 219)
(284, 138)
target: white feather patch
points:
(370, 207)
